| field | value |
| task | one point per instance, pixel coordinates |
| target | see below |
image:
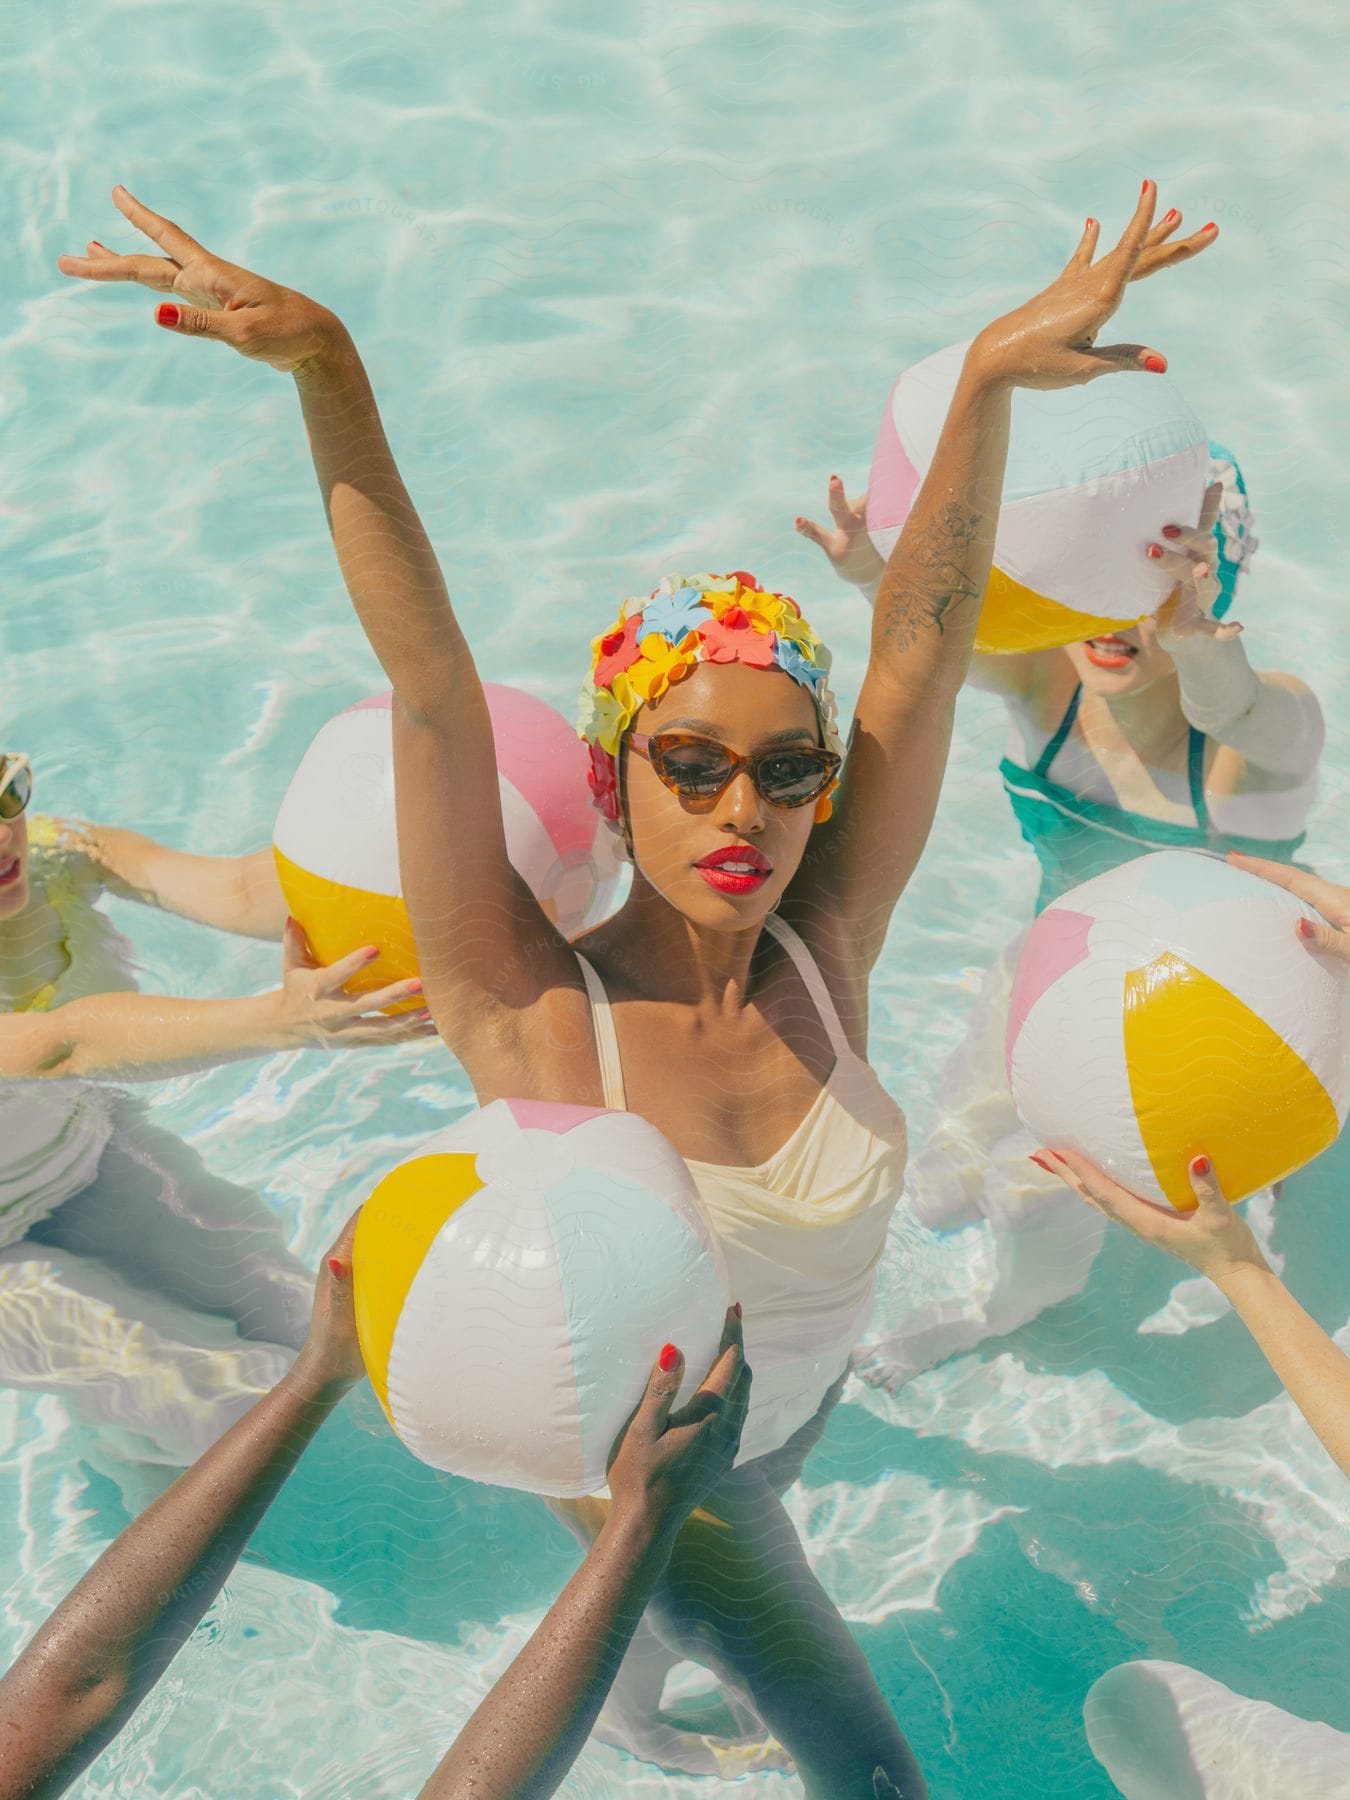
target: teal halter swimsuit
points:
(1075, 839)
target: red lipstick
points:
(735, 869)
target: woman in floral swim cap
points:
(726, 1001)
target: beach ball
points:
(515, 1279)
(336, 846)
(1093, 475)
(1168, 1007)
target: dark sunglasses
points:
(16, 784)
(698, 768)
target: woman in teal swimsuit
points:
(1159, 737)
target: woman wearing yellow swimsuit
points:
(726, 1001)
(157, 1297)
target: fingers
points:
(1318, 935)
(226, 326)
(730, 1360)
(148, 271)
(1163, 229)
(662, 1386)
(296, 952)
(1132, 240)
(339, 1252)
(1113, 359)
(1108, 1196)
(847, 514)
(1087, 246)
(1167, 256)
(338, 974)
(1209, 512)
(1326, 896)
(808, 528)
(391, 995)
(171, 238)
(1209, 1200)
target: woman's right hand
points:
(330, 1359)
(258, 318)
(1214, 1239)
(664, 1462)
(318, 1012)
(853, 555)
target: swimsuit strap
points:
(1195, 767)
(806, 967)
(606, 1038)
(1057, 742)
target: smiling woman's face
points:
(682, 846)
(13, 859)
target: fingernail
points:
(371, 952)
(1210, 227)
(1171, 214)
(1155, 364)
(425, 1014)
(1171, 531)
(166, 313)
(1155, 551)
(736, 1308)
(335, 1267)
(668, 1359)
(1040, 1163)
(415, 985)
(1200, 1165)
(1306, 928)
(1144, 189)
(1089, 223)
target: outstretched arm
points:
(144, 1037)
(107, 1644)
(233, 893)
(526, 1734)
(928, 601)
(1218, 1242)
(485, 948)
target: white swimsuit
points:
(802, 1232)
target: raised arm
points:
(1272, 720)
(112, 1637)
(241, 894)
(526, 1734)
(928, 600)
(485, 948)
(143, 1037)
(1218, 1242)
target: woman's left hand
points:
(330, 1357)
(318, 1012)
(853, 555)
(1189, 554)
(1051, 341)
(258, 318)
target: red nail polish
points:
(1210, 227)
(415, 986)
(736, 1308)
(1170, 215)
(1040, 1163)
(668, 1359)
(1306, 928)
(371, 953)
(335, 1267)
(1171, 531)
(166, 313)
(1155, 364)
(1090, 223)
(1144, 189)
(1155, 551)
(1200, 1166)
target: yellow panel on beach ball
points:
(1206, 1074)
(398, 1225)
(338, 919)
(1015, 617)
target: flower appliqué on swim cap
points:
(686, 620)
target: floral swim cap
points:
(1233, 533)
(687, 620)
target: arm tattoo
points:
(932, 580)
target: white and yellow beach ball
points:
(336, 844)
(1168, 1008)
(1093, 475)
(515, 1280)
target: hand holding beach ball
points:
(336, 843)
(514, 1282)
(1170, 1009)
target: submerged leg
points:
(158, 1216)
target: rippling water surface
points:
(631, 281)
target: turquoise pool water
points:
(630, 283)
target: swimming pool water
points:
(630, 282)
